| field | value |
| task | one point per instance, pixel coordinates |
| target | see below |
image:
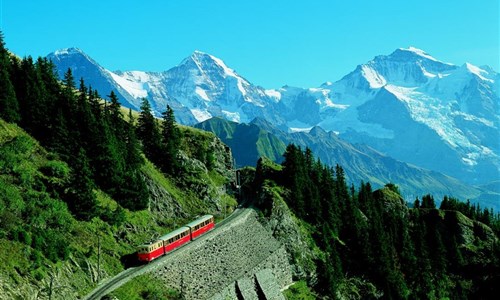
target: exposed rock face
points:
(234, 252)
(202, 156)
(162, 202)
(284, 228)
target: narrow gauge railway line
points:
(115, 282)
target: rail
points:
(118, 280)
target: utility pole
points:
(98, 255)
(51, 285)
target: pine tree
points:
(294, 177)
(114, 112)
(81, 198)
(148, 133)
(171, 136)
(9, 107)
(428, 202)
(29, 90)
(416, 203)
(69, 83)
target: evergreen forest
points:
(373, 244)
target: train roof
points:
(173, 233)
(150, 243)
(199, 220)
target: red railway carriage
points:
(176, 238)
(201, 225)
(148, 252)
(169, 242)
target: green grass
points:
(145, 287)
(299, 291)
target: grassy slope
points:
(20, 277)
(248, 141)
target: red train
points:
(167, 243)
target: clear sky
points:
(270, 42)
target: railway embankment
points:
(242, 251)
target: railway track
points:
(115, 282)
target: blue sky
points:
(271, 43)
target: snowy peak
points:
(418, 52)
(477, 71)
(68, 51)
(71, 55)
(408, 67)
(208, 64)
(207, 59)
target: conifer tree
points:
(30, 96)
(148, 132)
(428, 202)
(416, 203)
(81, 198)
(114, 112)
(171, 136)
(9, 107)
(293, 176)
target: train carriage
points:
(148, 252)
(201, 225)
(176, 238)
(167, 243)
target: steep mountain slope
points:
(94, 74)
(407, 105)
(248, 142)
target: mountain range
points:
(406, 105)
(249, 141)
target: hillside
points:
(368, 244)
(248, 142)
(49, 244)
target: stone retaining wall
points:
(210, 267)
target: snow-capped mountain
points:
(417, 109)
(408, 104)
